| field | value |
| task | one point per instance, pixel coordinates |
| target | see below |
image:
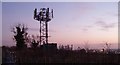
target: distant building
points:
(49, 47)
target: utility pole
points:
(43, 16)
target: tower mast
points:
(43, 16)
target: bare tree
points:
(86, 45)
(107, 46)
(20, 35)
(34, 41)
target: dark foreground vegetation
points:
(39, 55)
(49, 53)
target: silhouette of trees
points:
(61, 56)
(65, 54)
(86, 46)
(21, 37)
(107, 47)
(20, 34)
(34, 41)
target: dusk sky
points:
(1, 24)
(73, 23)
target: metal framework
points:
(43, 16)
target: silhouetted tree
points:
(33, 40)
(86, 46)
(34, 43)
(107, 47)
(20, 32)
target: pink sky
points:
(73, 23)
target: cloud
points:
(104, 25)
(86, 28)
(101, 24)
